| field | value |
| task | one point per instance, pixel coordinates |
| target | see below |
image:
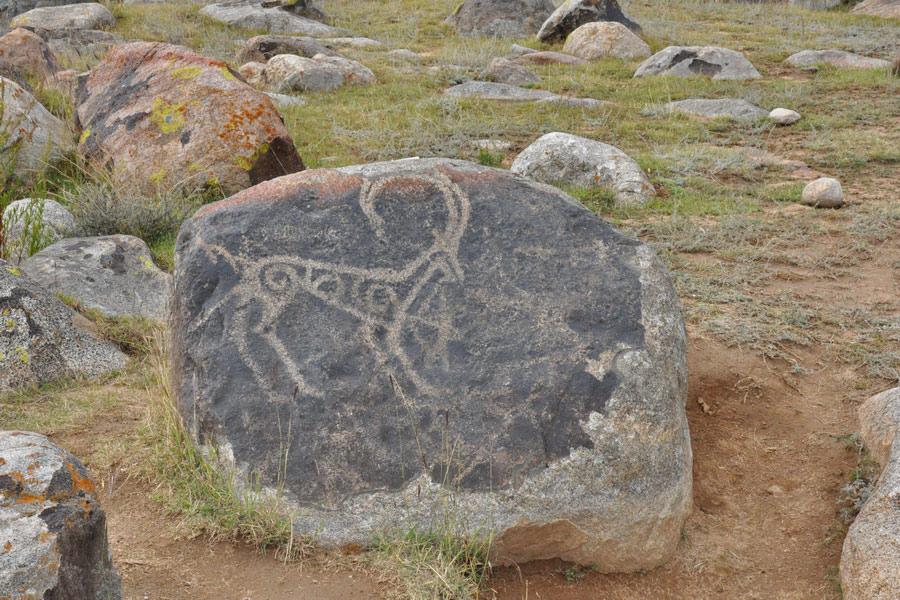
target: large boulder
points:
(607, 39)
(34, 136)
(87, 15)
(52, 529)
(24, 55)
(572, 14)
(113, 274)
(261, 48)
(837, 58)
(500, 18)
(566, 159)
(888, 9)
(711, 61)
(34, 221)
(11, 8)
(732, 108)
(870, 561)
(42, 339)
(429, 329)
(160, 114)
(272, 17)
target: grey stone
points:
(287, 72)
(489, 90)
(43, 339)
(517, 50)
(870, 560)
(565, 159)
(88, 45)
(354, 42)
(11, 8)
(52, 529)
(40, 138)
(824, 192)
(87, 15)
(402, 53)
(112, 274)
(607, 39)
(837, 58)
(285, 100)
(503, 70)
(500, 18)
(429, 327)
(257, 14)
(737, 109)
(263, 47)
(711, 61)
(585, 103)
(784, 116)
(550, 58)
(888, 9)
(572, 14)
(492, 145)
(56, 221)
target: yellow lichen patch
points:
(22, 354)
(247, 162)
(187, 72)
(169, 117)
(84, 135)
(228, 74)
(158, 176)
(14, 271)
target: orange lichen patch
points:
(30, 498)
(2, 461)
(80, 484)
(45, 538)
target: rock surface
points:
(428, 326)
(737, 109)
(112, 274)
(43, 339)
(565, 159)
(572, 14)
(489, 90)
(52, 529)
(11, 8)
(40, 138)
(711, 61)
(500, 18)
(870, 561)
(784, 116)
(24, 54)
(824, 192)
(56, 221)
(503, 70)
(550, 58)
(837, 58)
(263, 47)
(258, 14)
(161, 114)
(86, 45)
(601, 40)
(87, 15)
(888, 9)
(321, 73)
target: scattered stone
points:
(25, 55)
(160, 114)
(837, 58)
(503, 70)
(550, 58)
(403, 53)
(43, 339)
(285, 100)
(355, 42)
(607, 39)
(711, 61)
(572, 14)
(481, 308)
(263, 47)
(815, 4)
(11, 8)
(497, 146)
(585, 103)
(824, 192)
(565, 159)
(888, 9)
(259, 14)
(40, 139)
(112, 274)
(737, 109)
(287, 72)
(87, 15)
(784, 116)
(775, 490)
(870, 561)
(52, 527)
(253, 73)
(489, 90)
(500, 18)
(517, 50)
(56, 222)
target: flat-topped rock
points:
(572, 14)
(403, 309)
(489, 90)
(550, 58)
(87, 15)
(500, 18)
(838, 58)
(732, 108)
(709, 61)
(52, 529)
(260, 14)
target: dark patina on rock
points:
(418, 323)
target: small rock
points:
(774, 490)
(253, 72)
(489, 90)
(605, 39)
(355, 42)
(287, 72)
(56, 222)
(503, 70)
(492, 145)
(737, 109)
(784, 116)
(710, 61)
(824, 192)
(585, 103)
(517, 50)
(550, 58)
(572, 14)
(500, 18)
(87, 15)
(263, 47)
(836, 58)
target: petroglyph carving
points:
(392, 305)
